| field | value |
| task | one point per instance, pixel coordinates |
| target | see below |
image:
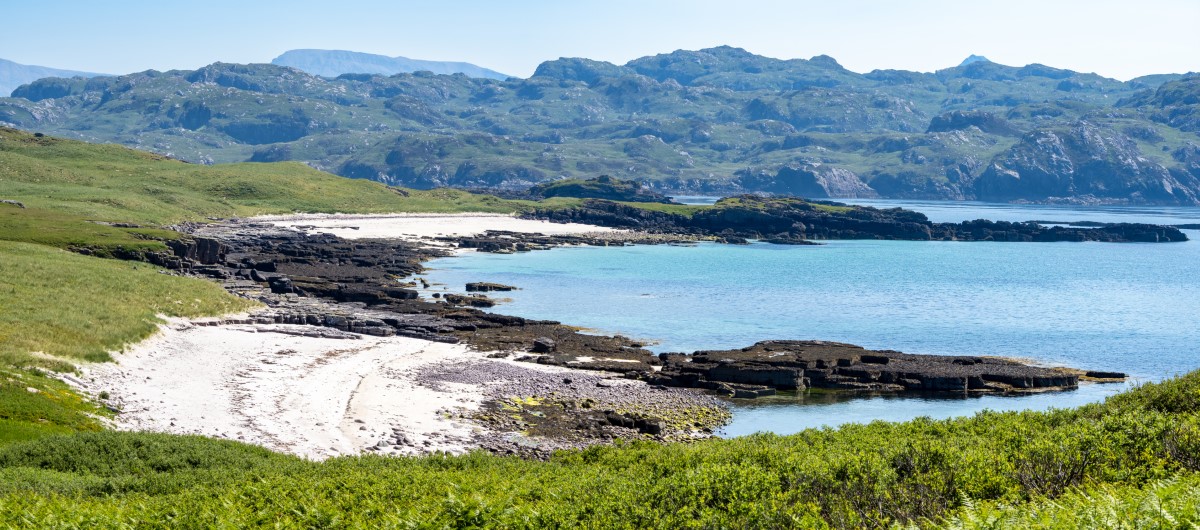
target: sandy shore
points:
(318, 392)
(314, 397)
(424, 226)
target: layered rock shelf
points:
(766, 367)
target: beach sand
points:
(317, 397)
(312, 397)
(423, 226)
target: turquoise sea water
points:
(1122, 307)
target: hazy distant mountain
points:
(332, 63)
(13, 75)
(973, 59)
(714, 121)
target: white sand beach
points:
(312, 397)
(424, 226)
(317, 397)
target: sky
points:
(1118, 39)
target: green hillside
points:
(719, 120)
(117, 184)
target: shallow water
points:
(1123, 307)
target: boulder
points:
(543, 345)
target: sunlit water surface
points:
(1121, 307)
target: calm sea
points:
(1122, 307)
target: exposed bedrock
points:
(798, 365)
(771, 366)
(790, 219)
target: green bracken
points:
(1008, 470)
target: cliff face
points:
(1083, 163)
(808, 180)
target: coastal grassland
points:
(1132, 458)
(59, 468)
(66, 231)
(74, 307)
(112, 183)
(60, 308)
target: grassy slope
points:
(76, 307)
(112, 183)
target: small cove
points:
(1124, 307)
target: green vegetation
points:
(1167, 503)
(705, 121)
(60, 308)
(680, 209)
(112, 183)
(602, 187)
(1132, 458)
(56, 229)
(69, 306)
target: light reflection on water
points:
(1119, 307)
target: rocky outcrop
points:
(579, 69)
(484, 287)
(985, 121)
(201, 250)
(790, 220)
(602, 187)
(1085, 162)
(772, 366)
(817, 181)
(788, 366)
(1175, 103)
(325, 282)
(266, 128)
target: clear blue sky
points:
(1118, 39)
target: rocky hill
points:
(332, 63)
(13, 75)
(719, 120)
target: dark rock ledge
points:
(793, 220)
